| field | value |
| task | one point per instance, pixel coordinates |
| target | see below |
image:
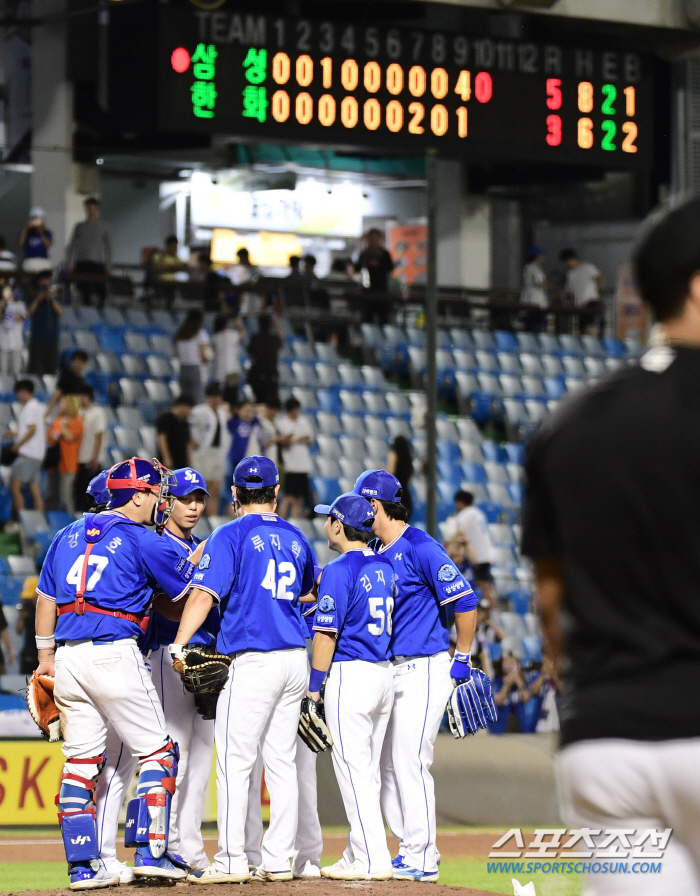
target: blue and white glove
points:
(460, 670)
(471, 705)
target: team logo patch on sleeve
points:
(447, 573)
(204, 562)
(326, 604)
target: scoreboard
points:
(400, 88)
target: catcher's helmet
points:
(138, 475)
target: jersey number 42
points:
(279, 578)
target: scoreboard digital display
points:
(403, 89)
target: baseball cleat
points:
(213, 875)
(355, 871)
(84, 877)
(425, 877)
(308, 872)
(126, 874)
(146, 866)
(261, 873)
(398, 862)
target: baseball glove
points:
(312, 726)
(205, 704)
(42, 708)
(202, 673)
(471, 705)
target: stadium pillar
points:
(431, 344)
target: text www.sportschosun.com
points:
(574, 867)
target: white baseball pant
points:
(259, 708)
(422, 687)
(636, 785)
(358, 702)
(308, 845)
(195, 739)
(109, 795)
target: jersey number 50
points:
(381, 610)
(277, 584)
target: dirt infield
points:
(300, 888)
(452, 844)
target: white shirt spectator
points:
(188, 351)
(582, 282)
(203, 420)
(264, 431)
(32, 413)
(534, 282)
(297, 458)
(94, 423)
(11, 328)
(472, 522)
(227, 354)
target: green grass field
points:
(454, 872)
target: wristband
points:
(462, 657)
(316, 679)
(43, 642)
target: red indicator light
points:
(180, 60)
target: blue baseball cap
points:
(188, 481)
(378, 484)
(97, 489)
(350, 509)
(255, 472)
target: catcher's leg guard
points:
(76, 816)
(148, 815)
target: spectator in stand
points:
(265, 438)
(247, 272)
(193, 350)
(545, 687)
(310, 267)
(8, 261)
(29, 655)
(263, 349)
(214, 286)
(472, 522)
(534, 291)
(510, 692)
(90, 253)
(70, 381)
(66, 431)
(45, 312)
(226, 344)
(240, 426)
(6, 657)
(297, 437)
(165, 263)
(30, 445)
(12, 314)
(461, 554)
(210, 442)
(400, 464)
(173, 435)
(294, 268)
(583, 283)
(486, 634)
(375, 265)
(91, 458)
(35, 242)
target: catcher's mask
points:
(139, 475)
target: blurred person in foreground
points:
(400, 464)
(29, 654)
(612, 522)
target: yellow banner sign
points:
(30, 773)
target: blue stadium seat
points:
(59, 519)
(11, 589)
(516, 490)
(492, 451)
(554, 386)
(505, 341)
(515, 452)
(532, 648)
(328, 401)
(326, 489)
(448, 451)
(111, 341)
(614, 347)
(473, 473)
(491, 511)
(519, 601)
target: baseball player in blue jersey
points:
(424, 672)
(94, 590)
(353, 628)
(257, 568)
(192, 729)
(308, 844)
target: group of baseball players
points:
(128, 597)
